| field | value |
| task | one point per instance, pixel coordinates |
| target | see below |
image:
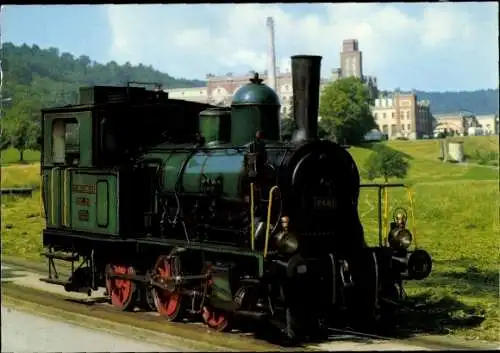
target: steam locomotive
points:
(198, 210)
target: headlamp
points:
(400, 238)
(287, 243)
(419, 264)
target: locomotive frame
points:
(190, 211)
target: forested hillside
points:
(483, 101)
(34, 78)
(54, 78)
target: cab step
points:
(252, 314)
(59, 255)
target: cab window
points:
(65, 141)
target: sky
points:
(426, 46)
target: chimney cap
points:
(307, 57)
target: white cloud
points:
(404, 45)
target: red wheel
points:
(167, 301)
(121, 291)
(216, 319)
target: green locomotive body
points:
(196, 209)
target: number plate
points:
(323, 204)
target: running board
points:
(60, 256)
(252, 314)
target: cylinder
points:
(306, 72)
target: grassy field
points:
(429, 149)
(11, 156)
(457, 221)
(458, 224)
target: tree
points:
(289, 126)
(386, 163)
(345, 110)
(21, 126)
(4, 141)
(23, 134)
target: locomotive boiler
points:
(193, 209)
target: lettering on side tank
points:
(83, 215)
(84, 188)
(83, 201)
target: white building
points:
(195, 94)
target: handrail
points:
(383, 226)
(252, 218)
(414, 230)
(65, 198)
(387, 185)
(386, 210)
(52, 196)
(42, 204)
(268, 222)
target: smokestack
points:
(306, 72)
(271, 79)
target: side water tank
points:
(456, 151)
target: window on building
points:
(392, 115)
(385, 129)
(375, 115)
(407, 115)
(409, 127)
(393, 129)
(384, 115)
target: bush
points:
(486, 157)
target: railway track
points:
(22, 289)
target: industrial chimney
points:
(306, 73)
(271, 79)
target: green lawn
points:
(429, 149)
(457, 221)
(425, 165)
(22, 225)
(11, 156)
(458, 224)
